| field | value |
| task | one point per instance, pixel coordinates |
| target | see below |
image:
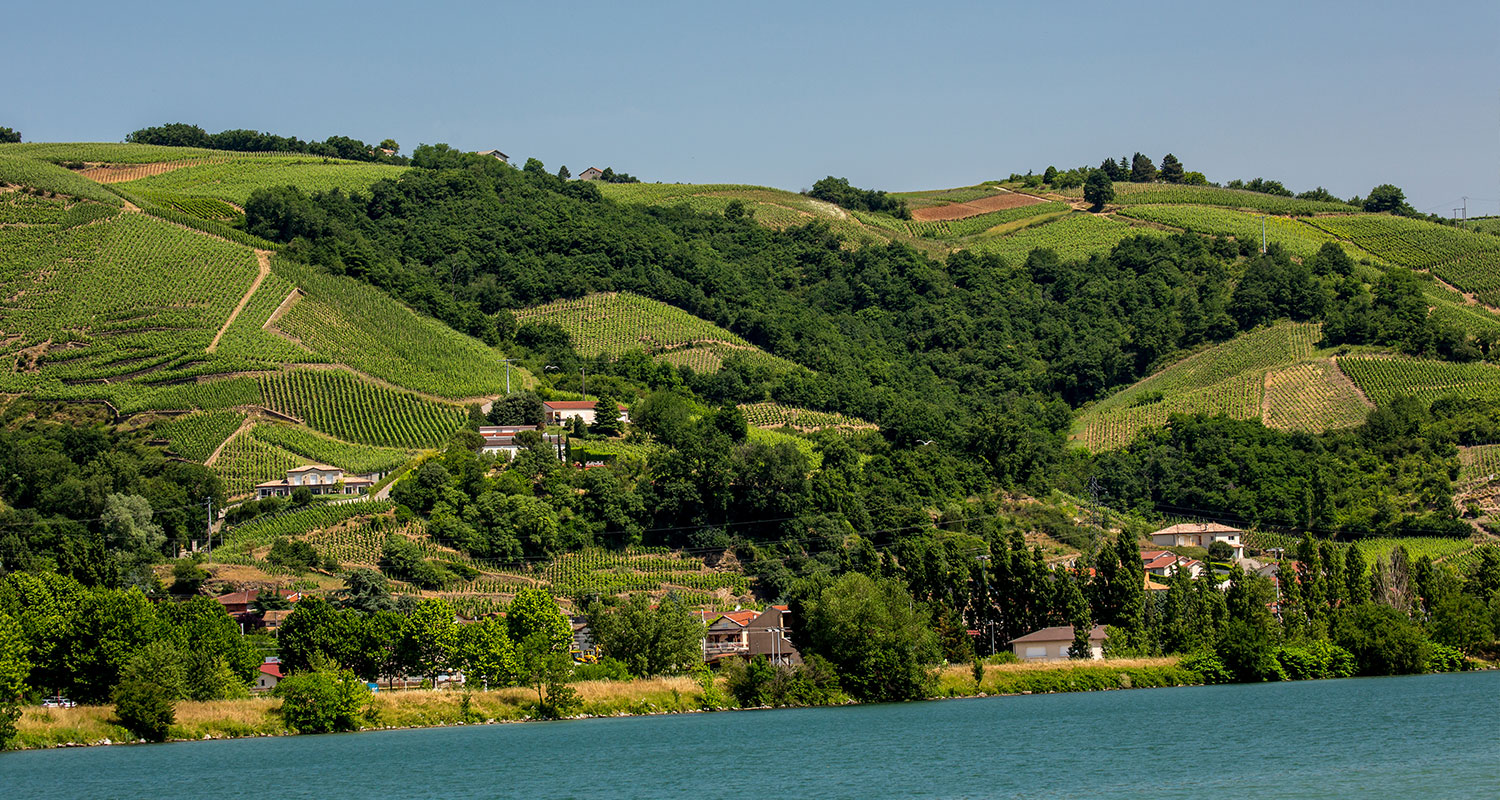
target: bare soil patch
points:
(984, 205)
(120, 173)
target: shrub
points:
(145, 708)
(1441, 658)
(1208, 667)
(1315, 660)
(608, 669)
(322, 701)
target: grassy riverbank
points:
(256, 716)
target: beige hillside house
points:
(319, 478)
(1201, 534)
(495, 154)
(558, 412)
(591, 174)
(1051, 644)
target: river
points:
(1431, 736)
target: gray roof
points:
(1059, 633)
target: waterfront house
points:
(1200, 534)
(317, 478)
(268, 676)
(767, 635)
(1050, 644)
(728, 635)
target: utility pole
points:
(507, 374)
(1466, 208)
(584, 371)
(984, 561)
(1262, 234)
(210, 526)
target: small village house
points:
(1050, 644)
(318, 478)
(1164, 564)
(591, 174)
(501, 439)
(268, 676)
(1200, 534)
(767, 635)
(558, 412)
(729, 635)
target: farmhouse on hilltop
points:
(591, 174)
(557, 412)
(319, 478)
(494, 154)
(1200, 534)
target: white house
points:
(501, 439)
(557, 412)
(1201, 534)
(268, 677)
(1049, 644)
(320, 478)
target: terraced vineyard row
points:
(359, 542)
(607, 573)
(973, 226)
(774, 415)
(352, 458)
(234, 180)
(1127, 194)
(1478, 463)
(1448, 551)
(201, 207)
(1312, 396)
(1255, 352)
(340, 405)
(613, 322)
(50, 178)
(239, 541)
(1073, 237)
(356, 324)
(195, 436)
(1383, 379)
(1468, 260)
(246, 461)
(1238, 397)
(1299, 238)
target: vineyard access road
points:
(263, 258)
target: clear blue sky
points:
(892, 95)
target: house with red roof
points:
(268, 676)
(1164, 564)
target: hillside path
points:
(264, 259)
(248, 423)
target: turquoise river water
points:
(1435, 736)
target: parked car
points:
(58, 701)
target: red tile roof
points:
(274, 670)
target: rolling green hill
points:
(611, 323)
(148, 310)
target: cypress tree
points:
(1356, 578)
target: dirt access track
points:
(984, 205)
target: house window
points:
(1036, 652)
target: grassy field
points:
(256, 716)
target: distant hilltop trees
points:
(9, 136)
(840, 193)
(181, 134)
